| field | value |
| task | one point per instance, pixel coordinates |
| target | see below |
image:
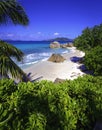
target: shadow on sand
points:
(28, 77)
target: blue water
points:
(35, 51)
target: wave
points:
(36, 56)
(45, 54)
(67, 51)
(27, 64)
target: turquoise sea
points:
(35, 51)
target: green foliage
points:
(71, 105)
(7, 87)
(93, 60)
(12, 10)
(90, 38)
(10, 50)
(7, 65)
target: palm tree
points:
(11, 10)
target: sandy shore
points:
(46, 70)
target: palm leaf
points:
(10, 50)
(7, 66)
(12, 10)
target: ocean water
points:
(35, 51)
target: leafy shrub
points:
(7, 88)
(71, 105)
(93, 60)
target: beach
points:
(47, 70)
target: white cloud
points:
(7, 36)
(10, 35)
(38, 32)
(56, 34)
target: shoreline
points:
(46, 70)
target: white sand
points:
(46, 70)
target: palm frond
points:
(10, 50)
(7, 66)
(12, 10)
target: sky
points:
(54, 18)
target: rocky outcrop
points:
(56, 58)
(58, 80)
(66, 45)
(58, 45)
(55, 45)
(70, 44)
(63, 45)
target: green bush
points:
(7, 88)
(93, 60)
(71, 105)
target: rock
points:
(56, 58)
(57, 80)
(70, 44)
(55, 44)
(66, 45)
(63, 45)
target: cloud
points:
(38, 32)
(10, 35)
(56, 34)
(7, 35)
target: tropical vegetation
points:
(90, 38)
(71, 105)
(11, 11)
(91, 42)
(93, 60)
